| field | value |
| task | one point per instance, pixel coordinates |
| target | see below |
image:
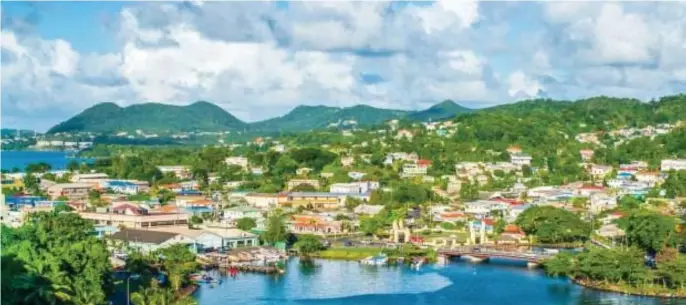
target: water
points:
(342, 282)
(20, 159)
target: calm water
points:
(19, 159)
(341, 282)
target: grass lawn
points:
(348, 253)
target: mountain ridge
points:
(206, 116)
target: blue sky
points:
(261, 59)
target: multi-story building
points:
(180, 171)
(354, 187)
(520, 159)
(73, 191)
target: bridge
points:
(484, 253)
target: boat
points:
(204, 278)
(376, 260)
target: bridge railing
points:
(495, 252)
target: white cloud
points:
(522, 86)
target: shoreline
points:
(620, 290)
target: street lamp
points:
(128, 278)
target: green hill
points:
(312, 117)
(441, 111)
(151, 117)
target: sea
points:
(58, 160)
(331, 282)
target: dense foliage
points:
(54, 259)
(552, 225)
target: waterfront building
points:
(314, 224)
(147, 241)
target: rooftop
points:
(143, 236)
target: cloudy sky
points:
(261, 59)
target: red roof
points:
(509, 201)
(489, 222)
(512, 228)
(423, 162)
(451, 214)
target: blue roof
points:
(120, 183)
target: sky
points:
(259, 60)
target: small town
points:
(343, 152)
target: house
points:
(600, 171)
(673, 164)
(180, 171)
(199, 240)
(451, 216)
(588, 190)
(95, 178)
(73, 191)
(314, 224)
(586, 154)
(241, 162)
(520, 159)
(242, 212)
(485, 207)
(147, 241)
(361, 187)
(234, 238)
(404, 133)
(121, 187)
(418, 168)
(650, 178)
(347, 161)
(296, 182)
(314, 200)
(366, 209)
(633, 167)
(303, 171)
(511, 234)
(514, 149)
(602, 202)
(262, 200)
(487, 224)
(356, 175)
(258, 171)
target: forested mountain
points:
(438, 112)
(204, 116)
(313, 117)
(151, 117)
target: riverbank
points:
(355, 254)
(655, 291)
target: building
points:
(485, 207)
(241, 162)
(147, 241)
(73, 191)
(650, 178)
(180, 171)
(366, 209)
(234, 238)
(673, 164)
(95, 178)
(600, 171)
(200, 239)
(295, 182)
(314, 200)
(514, 149)
(520, 159)
(586, 154)
(451, 216)
(418, 168)
(131, 219)
(239, 212)
(314, 224)
(347, 161)
(602, 202)
(262, 200)
(354, 187)
(121, 187)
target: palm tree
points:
(41, 290)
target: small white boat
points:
(377, 260)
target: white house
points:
(366, 209)
(261, 200)
(601, 202)
(485, 207)
(241, 162)
(600, 171)
(242, 212)
(347, 161)
(650, 178)
(673, 164)
(354, 187)
(520, 159)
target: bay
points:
(20, 159)
(347, 282)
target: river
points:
(20, 159)
(347, 282)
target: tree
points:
(73, 166)
(469, 191)
(648, 231)
(179, 262)
(550, 224)
(370, 225)
(276, 229)
(305, 187)
(246, 223)
(351, 203)
(308, 244)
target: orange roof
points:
(168, 209)
(306, 219)
(512, 228)
(424, 162)
(200, 202)
(452, 214)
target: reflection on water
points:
(343, 282)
